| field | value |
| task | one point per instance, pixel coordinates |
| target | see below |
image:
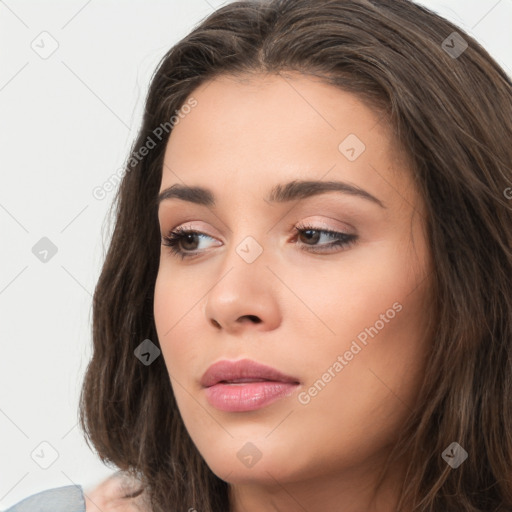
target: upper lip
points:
(231, 371)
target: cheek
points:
(350, 296)
(173, 305)
(173, 311)
(377, 319)
(372, 312)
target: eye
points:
(183, 236)
(183, 242)
(313, 234)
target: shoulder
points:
(119, 493)
(61, 499)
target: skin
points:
(240, 140)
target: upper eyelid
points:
(296, 227)
(316, 222)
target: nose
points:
(251, 318)
(244, 296)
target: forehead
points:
(250, 132)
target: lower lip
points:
(247, 396)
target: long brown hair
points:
(450, 108)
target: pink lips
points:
(245, 385)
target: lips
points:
(244, 370)
(245, 385)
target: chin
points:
(251, 460)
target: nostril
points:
(215, 323)
(254, 318)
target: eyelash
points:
(173, 239)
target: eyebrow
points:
(282, 193)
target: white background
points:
(67, 123)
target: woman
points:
(338, 334)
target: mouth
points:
(245, 385)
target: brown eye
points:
(183, 242)
(312, 236)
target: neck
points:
(353, 490)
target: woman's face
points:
(345, 321)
